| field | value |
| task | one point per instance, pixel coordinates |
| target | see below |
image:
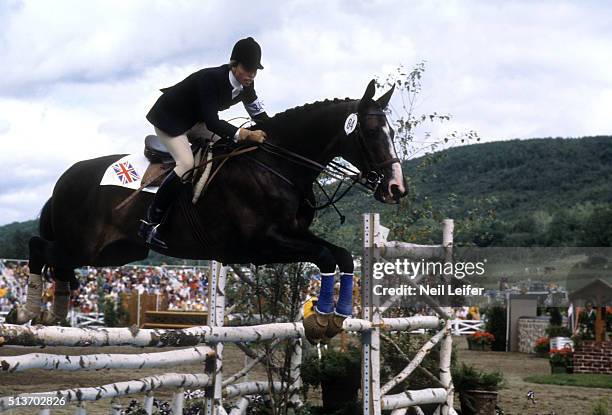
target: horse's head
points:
(371, 149)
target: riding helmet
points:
(247, 52)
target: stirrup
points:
(148, 231)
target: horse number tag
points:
(350, 123)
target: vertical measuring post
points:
(370, 362)
(216, 316)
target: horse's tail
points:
(45, 226)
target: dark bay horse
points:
(248, 214)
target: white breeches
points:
(179, 149)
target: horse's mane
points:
(306, 108)
(296, 124)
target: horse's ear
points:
(370, 91)
(383, 101)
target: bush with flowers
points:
(561, 360)
(542, 347)
(480, 340)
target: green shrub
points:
(393, 362)
(600, 407)
(496, 325)
(468, 377)
(558, 331)
(556, 319)
(339, 376)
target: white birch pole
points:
(413, 398)
(115, 407)
(295, 379)
(147, 405)
(240, 406)
(29, 361)
(447, 342)
(178, 399)
(85, 337)
(168, 380)
(253, 388)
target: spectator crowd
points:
(184, 287)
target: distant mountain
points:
(549, 191)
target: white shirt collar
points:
(236, 86)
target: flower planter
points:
(336, 394)
(561, 342)
(557, 369)
(542, 354)
(478, 402)
(479, 346)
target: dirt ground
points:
(563, 400)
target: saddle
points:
(161, 160)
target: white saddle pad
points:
(127, 172)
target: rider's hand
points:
(257, 136)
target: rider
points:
(196, 100)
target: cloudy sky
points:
(77, 78)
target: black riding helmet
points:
(247, 52)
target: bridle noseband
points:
(373, 175)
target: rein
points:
(334, 169)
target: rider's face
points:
(243, 75)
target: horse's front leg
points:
(322, 321)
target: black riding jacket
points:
(199, 98)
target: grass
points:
(584, 380)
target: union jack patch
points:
(125, 172)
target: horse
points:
(257, 209)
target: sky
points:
(77, 78)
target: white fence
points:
(465, 327)
(458, 327)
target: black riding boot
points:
(166, 194)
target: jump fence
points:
(204, 345)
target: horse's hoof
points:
(47, 319)
(335, 325)
(19, 315)
(315, 326)
(315, 323)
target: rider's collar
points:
(236, 86)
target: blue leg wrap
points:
(345, 299)
(325, 303)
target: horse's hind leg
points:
(61, 298)
(23, 314)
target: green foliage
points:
(558, 331)
(14, 239)
(496, 325)
(584, 380)
(110, 313)
(393, 361)
(556, 319)
(600, 407)
(339, 376)
(115, 315)
(468, 377)
(334, 365)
